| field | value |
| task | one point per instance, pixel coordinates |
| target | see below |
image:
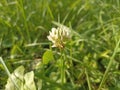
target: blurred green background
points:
(25, 24)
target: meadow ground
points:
(90, 60)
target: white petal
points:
(64, 33)
(56, 36)
(50, 33)
(54, 45)
(53, 30)
(49, 38)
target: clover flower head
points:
(59, 36)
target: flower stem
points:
(62, 68)
(62, 71)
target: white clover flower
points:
(59, 36)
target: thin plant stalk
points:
(7, 71)
(62, 68)
(88, 80)
(109, 65)
(71, 63)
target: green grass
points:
(91, 59)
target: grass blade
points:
(7, 71)
(109, 65)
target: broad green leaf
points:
(16, 80)
(29, 81)
(47, 57)
(19, 81)
(39, 84)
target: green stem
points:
(71, 65)
(62, 68)
(71, 62)
(109, 65)
(62, 71)
(7, 71)
(88, 80)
